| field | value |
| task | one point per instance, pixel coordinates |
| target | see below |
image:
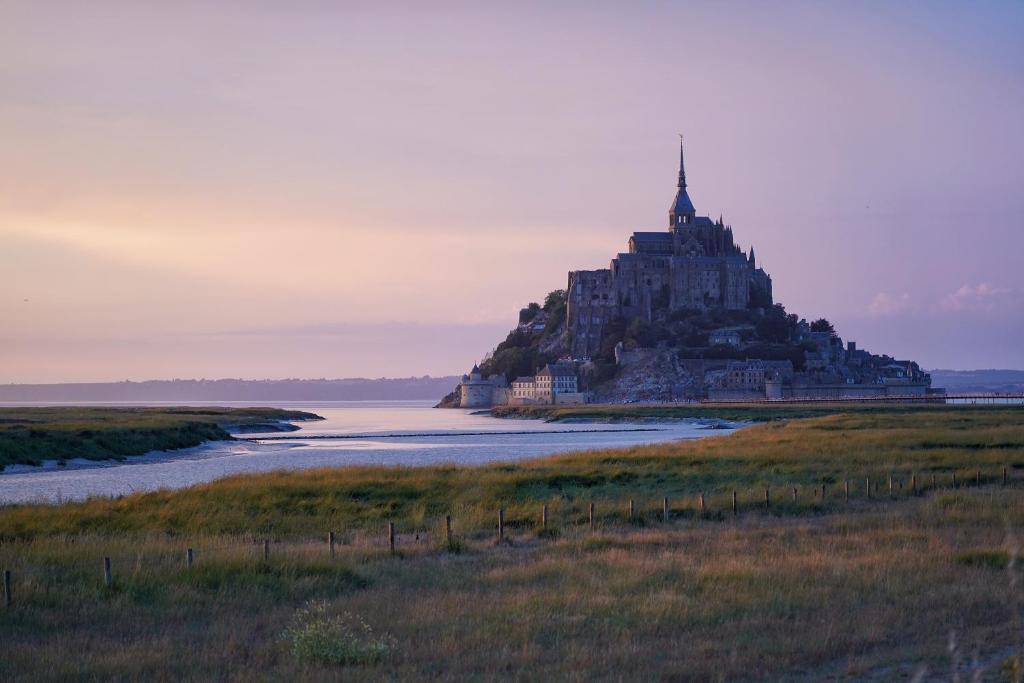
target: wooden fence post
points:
(664, 508)
(701, 503)
(822, 493)
(631, 509)
(1004, 476)
(954, 478)
(544, 517)
(735, 509)
(867, 487)
(591, 516)
(108, 576)
(448, 529)
(846, 490)
(266, 550)
(501, 524)
(794, 494)
(188, 558)
(330, 542)
(890, 486)
(8, 598)
(913, 483)
(767, 498)
(977, 478)
(934, 484)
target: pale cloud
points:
(981, 297)
(885, 305)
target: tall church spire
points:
(682, 167)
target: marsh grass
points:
(28, 436)
(816, 589)
(834, 595)
(806, 454)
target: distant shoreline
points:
(32, 436)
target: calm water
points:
(353, 433)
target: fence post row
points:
(108, 577)
(8, 598)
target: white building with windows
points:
(524, 389)
(554, 380)
(556, 383)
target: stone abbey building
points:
(695, 264)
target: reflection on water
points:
(369, 433)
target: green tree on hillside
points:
(823, 325)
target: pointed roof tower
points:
(682, 211)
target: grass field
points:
(865, 588)
(742, 412)
(28, 436)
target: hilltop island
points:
(684, 315)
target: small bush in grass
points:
(990, 559)
(548, 532)
(1011, 668)
(317, 636)
(454, 546)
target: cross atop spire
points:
(682, 169)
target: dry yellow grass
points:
(839, 595)
(803, 453)
(815, 590)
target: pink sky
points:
(334, 189)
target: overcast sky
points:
(249, 189)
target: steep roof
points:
(557, 370)
(682, 204)
(658, 242)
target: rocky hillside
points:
(541, 337)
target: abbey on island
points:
(695, 264)
(683, 314)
